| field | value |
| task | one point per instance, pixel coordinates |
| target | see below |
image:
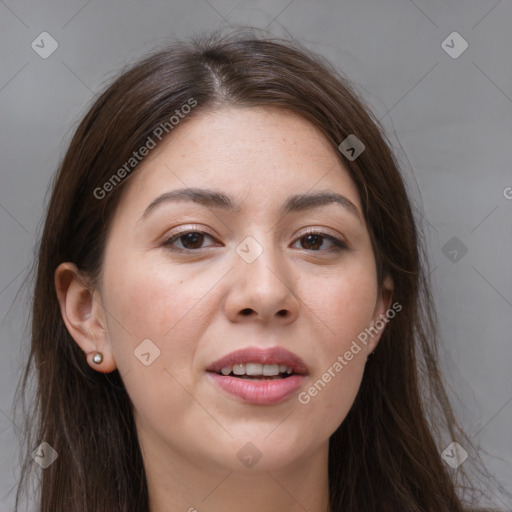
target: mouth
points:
(254, 362)
(257, 371)
(257, 376)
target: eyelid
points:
(305, 231)
(187, 228)
(326, 233)
(338, 241)
(320, 231)
(173, 236)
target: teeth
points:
(239, 369)
(253, 369)
(267, 370)
(270, 369)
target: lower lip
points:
(259, 392)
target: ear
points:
(84, 316)
(379, 317)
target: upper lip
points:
(275, 355)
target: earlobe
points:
(83, 316)
(100, 362)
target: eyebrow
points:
(215, 199)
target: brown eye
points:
(312, 241)
(190, 240)
(315, 241)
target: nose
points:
(262, 290)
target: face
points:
(189, 282)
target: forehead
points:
(258, 155)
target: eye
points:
(314, 240)
(190, 240)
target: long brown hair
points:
(384, 456)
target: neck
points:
(179, 482)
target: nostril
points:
(283, 312)
(246, 311)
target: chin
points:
(259, 452)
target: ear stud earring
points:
(98, 358)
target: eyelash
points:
(338, 244)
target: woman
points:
(231, 309)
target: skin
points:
(190, 306)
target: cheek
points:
(344, 308)
(332, 389)
(150, 301)
(158, 317)
(343, 304)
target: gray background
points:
(449, 118)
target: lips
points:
(272, 356)
(228, 375)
